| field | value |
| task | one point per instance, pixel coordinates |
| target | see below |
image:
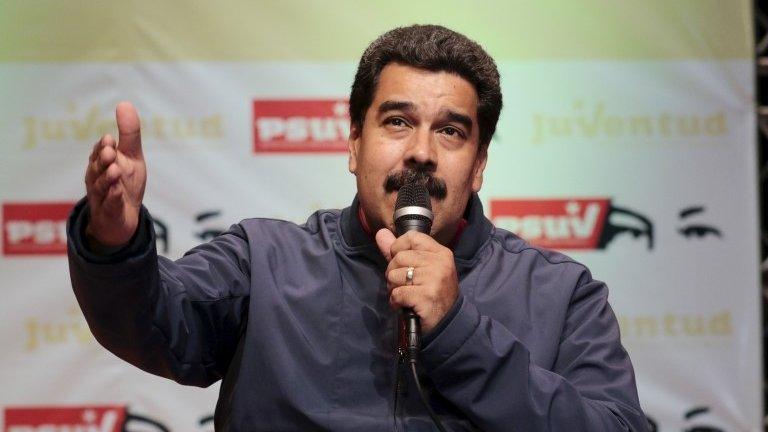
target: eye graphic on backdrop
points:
(696, 230)
(689, 416)
(622, 220)
(161, 235)
(207, 233)
(695, 412)
(206, 421)
(146, 424)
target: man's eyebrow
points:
(462, 119)
(396, 106)
(450, 115)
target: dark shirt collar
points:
(474, 235)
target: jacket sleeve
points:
(482, 368)
(180, 320)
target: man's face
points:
(419, 121)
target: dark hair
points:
(433, 48)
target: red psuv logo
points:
(35, 228)
(570, 223)
(553, 223)
(61, 419)
(294, 126)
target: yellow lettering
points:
(689, 126)
(54, 333)
(30, 137)
(720, 324)
(182, 128)
(715, 125)
(53, 130)
(212, 127)
(589, 127)
(561, 126)
(538, 129)
(670, 325)
(646, 326)
(664, 125)
(158, 124)
(83, 130)
(693, 325)
(640, 126)
(614, 126)
(32, 335)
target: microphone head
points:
(413, 209)
(413, 194)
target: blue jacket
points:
(295, 320)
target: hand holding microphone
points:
(434, 286)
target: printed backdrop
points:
(627, 141)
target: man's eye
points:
(396, 121)
(452, 131)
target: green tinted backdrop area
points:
(335, 30)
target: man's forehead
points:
(397, 73)
(409, 88)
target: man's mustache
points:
(435, 185)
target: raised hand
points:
(114, 181)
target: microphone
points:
(413, 212)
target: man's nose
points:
(422, 151)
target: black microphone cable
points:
(423, 396)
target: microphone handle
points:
(410, 326)
(412, 336)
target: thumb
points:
(384, 239)
(129, 128)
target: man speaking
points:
(300, 322)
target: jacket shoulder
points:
(322, 223)
(540, 258)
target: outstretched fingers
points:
(115, 179)
(98, 174)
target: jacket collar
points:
(475, 234)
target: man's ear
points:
(479, 168)
(355, 134)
